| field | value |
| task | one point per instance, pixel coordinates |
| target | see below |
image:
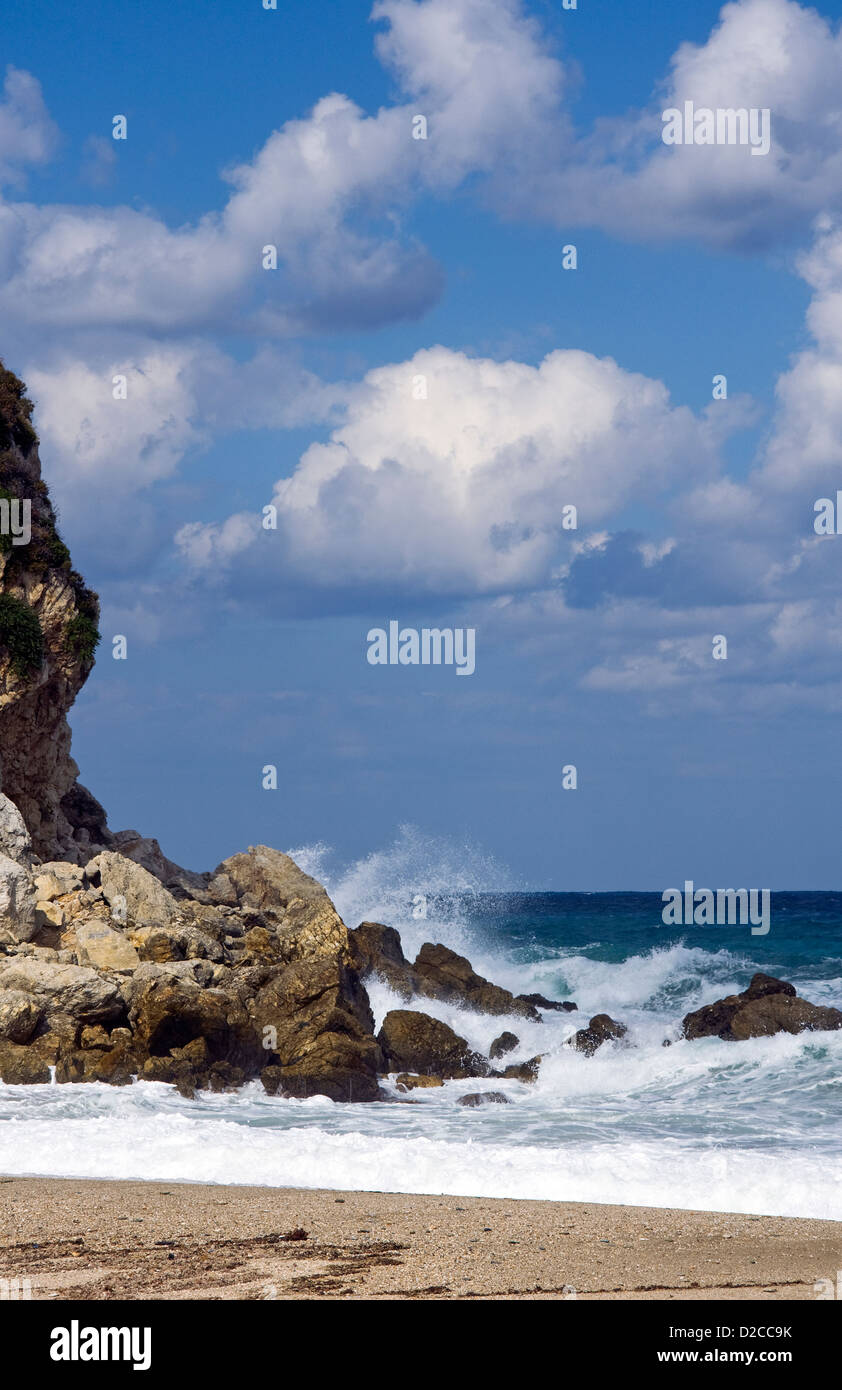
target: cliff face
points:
(48, 635)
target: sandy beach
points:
(76, 1239)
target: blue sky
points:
(545, 386)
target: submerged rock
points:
(507, 1042)
(476, 1098)
(407, 1082)
(541, 1002)
(601, 1029)
(767, 1007)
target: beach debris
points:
(766, 1007)
(601, 1029)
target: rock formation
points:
(437, 973)
(48, 635)
(601, 1029)
(768, 1006)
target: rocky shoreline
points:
(108, 974)
(116, 964)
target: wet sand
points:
(158, 1240)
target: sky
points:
(419, 388)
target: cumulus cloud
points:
(450, 474)
(27, 134)
(773, 54)
(328, 191)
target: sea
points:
(753, 1126)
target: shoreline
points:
(103, 1239)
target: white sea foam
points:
(126, 1134)
(707, 1125)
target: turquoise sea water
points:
(752, 1126)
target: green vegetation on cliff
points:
(21, 636)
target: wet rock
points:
(521, 1071)
(416, 1043)
(601, 1029)
(476, 1098)
(440, 973)
(507, 1042)
(406, 1081)
(377, 950)
(22, 1066)
(167, 1013)
(20, 1014)
(767, 1007)
(539, 1001)
(113, 1063)
(315, 1022)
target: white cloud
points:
(464, 489)
(761, 53)
(321, 189)
(27, 135)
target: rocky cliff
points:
(48, 636)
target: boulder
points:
(521, 1071)
(17, 900)
(601, 1029)
(74, 991)
(407, 1082)
(414, 1042)
(168, 1012)
(272, 885)
(539, 1001)
(767, 1007)
(114, 1063)
(507, 1042)
(127, 886)
(315, 1023)
(99, 945)
(476, 1098)
(22, 1066)
(15, 842)
(440, 973)
(182, 942)
(20, 1014)
(377, 950)
(54, 879)
(181, 883)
